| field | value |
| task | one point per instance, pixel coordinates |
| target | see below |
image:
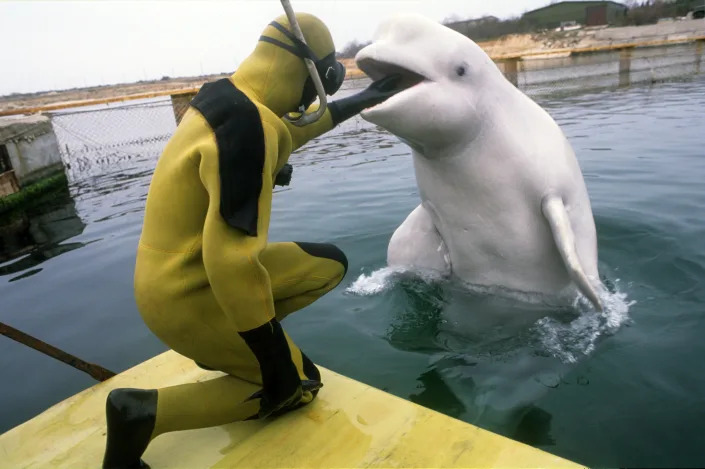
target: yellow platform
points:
(349, 425)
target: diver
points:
(207, 281)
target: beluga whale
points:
(503, 201)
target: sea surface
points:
(622, 388)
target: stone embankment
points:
(597, 37)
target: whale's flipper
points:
(554, 210)
(417, 243)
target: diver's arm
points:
(343, 109)
(379, 91)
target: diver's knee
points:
(132, 406)
(327, 251)
(131, 416)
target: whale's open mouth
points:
(377, 70)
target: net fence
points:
(105, 137)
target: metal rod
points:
(306, 119)
(96, 371)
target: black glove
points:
(281, 385)
(283, 177)
(374, 94)
(309, 388)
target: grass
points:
(30, 193)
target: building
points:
(698, 12)
(29, 152)
(587, 13)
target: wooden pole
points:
(511, 71)
(96, 371)
(180, 104)
(625, 65)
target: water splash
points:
(385, 278)
(374, 283)
(572, 340)
(566, 333)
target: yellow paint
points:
(349, 425)
(93, 102)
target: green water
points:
(626, 388)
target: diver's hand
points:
(308, 388)
(282, 388)
(374, 94)
(283, 177)
(379, 90)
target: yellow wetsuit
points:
(207, 281)
(205, 273)
(199, 281)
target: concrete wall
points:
(33, 160)
(32, 147)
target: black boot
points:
(130, 414)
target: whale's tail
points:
(554, 210)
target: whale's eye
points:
(460, 70)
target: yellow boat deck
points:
(350, 424)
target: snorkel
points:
(327, 67)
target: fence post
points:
(511, 70)
(180, 103)
(625, 64)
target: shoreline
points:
(547, 44)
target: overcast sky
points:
(62, 44)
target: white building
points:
(29, 151)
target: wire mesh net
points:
(105, 138)
(92, 137)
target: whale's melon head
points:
(443, 74)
